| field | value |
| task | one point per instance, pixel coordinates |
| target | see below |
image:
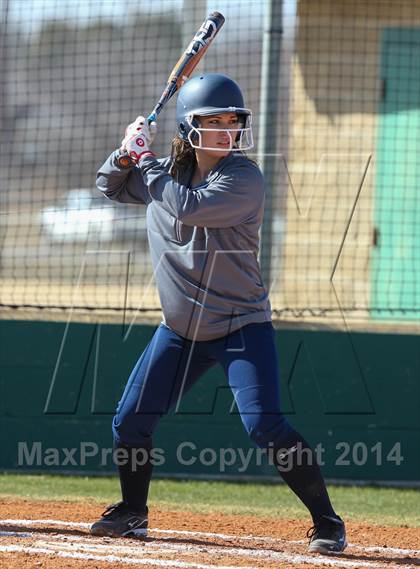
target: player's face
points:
(220, 134)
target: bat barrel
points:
(218, 18)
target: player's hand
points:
(138, 145)
(140, 124)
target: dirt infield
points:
(55, 535)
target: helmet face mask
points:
(213, 94)
(240, 138)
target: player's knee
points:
(126, 432)
(266, 431)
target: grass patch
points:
(381, 506)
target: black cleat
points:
(328, 535)
(119, 520)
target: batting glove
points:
(140, 124)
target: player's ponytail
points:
(182, 156)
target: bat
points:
(184, 67)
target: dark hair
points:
(182, 155)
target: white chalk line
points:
(62, 523)
(20, 534)
(222, 536)
(210, 549)
(98, 543)
(85, 547)
(194, 549)
(294, 559)
(112, 558)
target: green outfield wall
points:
(355, 396)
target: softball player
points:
(205, 208)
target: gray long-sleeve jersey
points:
(203, 241)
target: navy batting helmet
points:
(209, 94)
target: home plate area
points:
(188, 541)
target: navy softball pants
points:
(170, 365)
